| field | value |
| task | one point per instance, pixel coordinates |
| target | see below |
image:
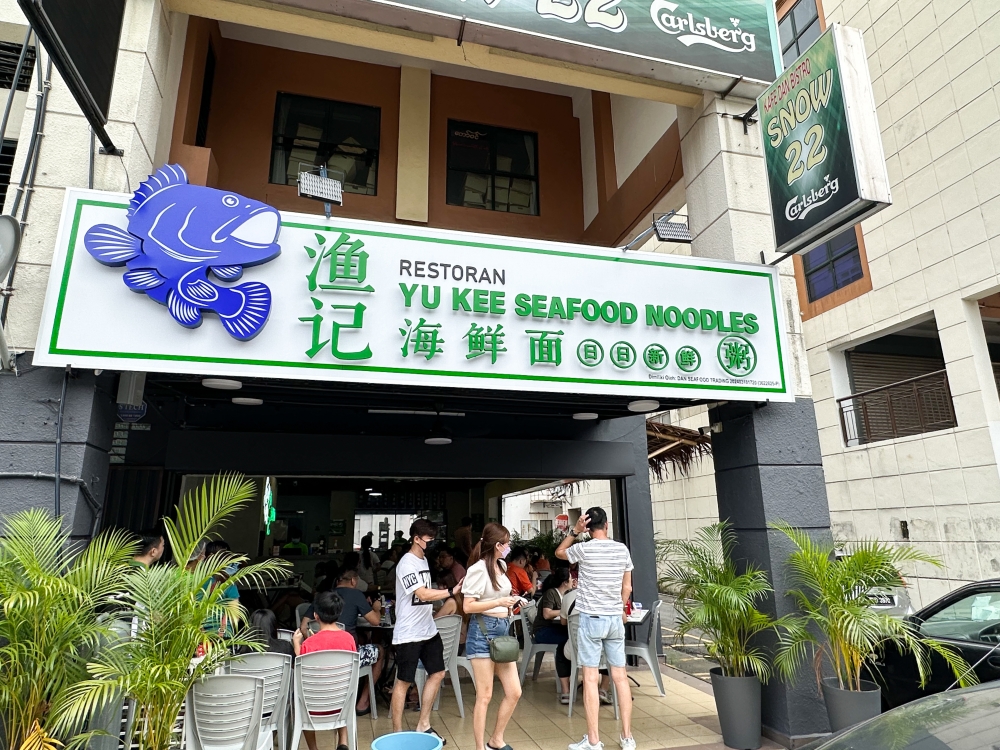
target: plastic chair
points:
(366, 672)
(532, 649)
(570, 651)
(286, 635)
(647, 651)
(450, 629)
(224, 713)
(276, 671)
(326, 687)
(300, 612)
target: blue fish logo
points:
(178, 234)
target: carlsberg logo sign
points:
(703, 30)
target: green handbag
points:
(504, 648)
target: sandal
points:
(505, 747)
(435, 734)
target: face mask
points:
(505, 550)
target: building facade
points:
(430, 124)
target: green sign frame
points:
(822, 146)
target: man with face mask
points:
(415, 636)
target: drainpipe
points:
(59, 426)
(30, 163)
(13, 87)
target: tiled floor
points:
(685, 718)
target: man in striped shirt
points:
(605, 584)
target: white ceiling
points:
(326, 48)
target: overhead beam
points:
(356, 33)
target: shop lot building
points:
(479, 142)
(900, 318)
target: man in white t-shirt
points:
(416, 636)
(605, 584)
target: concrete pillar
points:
(413, 164)
(29, 407)
(768, 465)
(638, 504)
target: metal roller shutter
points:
(869, 371)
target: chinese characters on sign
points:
(347, 263)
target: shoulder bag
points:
(504, 649)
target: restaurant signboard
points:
(242, 290)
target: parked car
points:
(894, 600)
(967, 619)
(956, 720)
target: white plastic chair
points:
(366, 673)
(450, 629)
(224, 713)
(533, 650)
(276, 671)
(326, 686)
(285, 635)
(647, 651)
(570, 651)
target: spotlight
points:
(583, 415)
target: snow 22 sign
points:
(213, 291)
(822, 145)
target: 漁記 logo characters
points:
(177, 234)
(704, 30)
(799, 206)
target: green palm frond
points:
(175, 612)
(716, 600)
(832, 596)
(53, 598)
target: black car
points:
(955, 720)
(967, 619)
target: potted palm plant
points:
(184, 627)
(838, 628)
(720, 602)
(52, 595)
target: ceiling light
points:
(437, 440)
(368, 489)
(222, 384)
(643, 405)
(582, 415)
(419, 412)
(247, 401)
(375, 494)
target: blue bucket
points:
(407, 741)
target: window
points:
(798, 29)
(492, 168)
(972, 618)
(309, 132)
(10, 52)
(208, 82)
(833, 265)
(6, 165)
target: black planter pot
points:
(845, 708)
(737, 699)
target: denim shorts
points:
(600, 633)
(477, 645)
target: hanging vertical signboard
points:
(822, 146)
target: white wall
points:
(638, 125)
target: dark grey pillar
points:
(29, 405)
(768, 467)
(637, 503)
